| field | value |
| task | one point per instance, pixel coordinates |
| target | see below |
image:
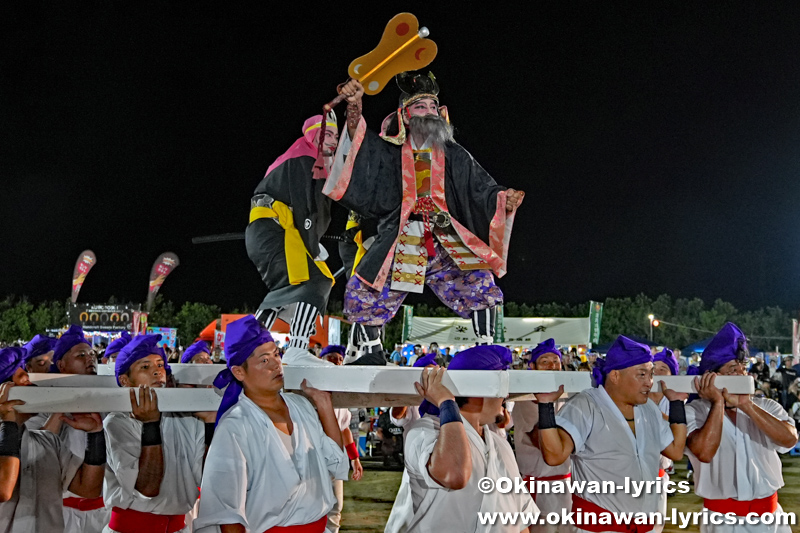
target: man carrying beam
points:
(155, 460)
(39, 354)
(450, 449)
(546, 356)
(273, 456)
(614, 432)
(734, 441)
(36, 465)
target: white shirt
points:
(35, 506)
(746, 465)
(183, 446)
(343, 417)
(529, 457)
(606, 449)
(665, 463)
(432, 508)
(251, 480)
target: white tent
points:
(526, 332)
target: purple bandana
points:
(484, 357)
(337, 348)
(118, 344)
(667, 357)
(548, 346)
(242, 337)
(728, 344)
(10, 360)
(196, 348)
(39, 345)
(71, 338)
(624, 353)
(140, 347)
(425, 360)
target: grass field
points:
(368, 502)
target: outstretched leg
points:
(369, 309)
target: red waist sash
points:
(130, 521)
(589, 507)
(314, 527)
(532, 488)
(743, 507)
(84, 504)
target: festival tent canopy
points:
(525, 332)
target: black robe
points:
(375, 190)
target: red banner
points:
(83, 265)
(164, 265)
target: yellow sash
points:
(296, 264)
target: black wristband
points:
(95, 449)
(677, 412)
(10, 441)
(209, 432)
(547, 415)
(151, 433)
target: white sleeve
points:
(774, 408)
(123, 449)
(696, 415)
(343, 416)
(418, 447)
(224, 487)
(576, 419)
(664, 429)
(407, 419)
(526, 415)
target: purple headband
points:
(548, 346)
(140, 347)
(425, 360)
(118, 344)
(484, 357)
(39, 345)
(667, 357)
(728, 344)
(10, 360)
(71, 338)
(337, 348)
(242, 337)
(624, 353)
(195, 349)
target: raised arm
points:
(781, 432)
(450, 463)
(704, 442)
(88, 480)
(9, 443)
(322, 401)
(151, 460)
(555, 443)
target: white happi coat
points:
(251, 479)
(606, 449)
(432, 508)
(531, 463)
(746, 465)
(183, 447)
(35, 505)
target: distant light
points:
(651, 317)
(656, 323)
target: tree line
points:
(683, 321)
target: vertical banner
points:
(219, 340)
(334, 330)
(408, 316)
(595, 319)
(83, 265)
(795, 340)
(499, 325)
(168, 336)
(139, 324)
(164, 265)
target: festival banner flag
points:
(139, 324)
(408, 318)
(83, 265)
(595, 318)
(164, 265)
(500, 325)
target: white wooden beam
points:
(91, 400)
(734, 384)
(529, 381)
(394, 380)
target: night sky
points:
(659, 146)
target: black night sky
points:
(659, 146)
